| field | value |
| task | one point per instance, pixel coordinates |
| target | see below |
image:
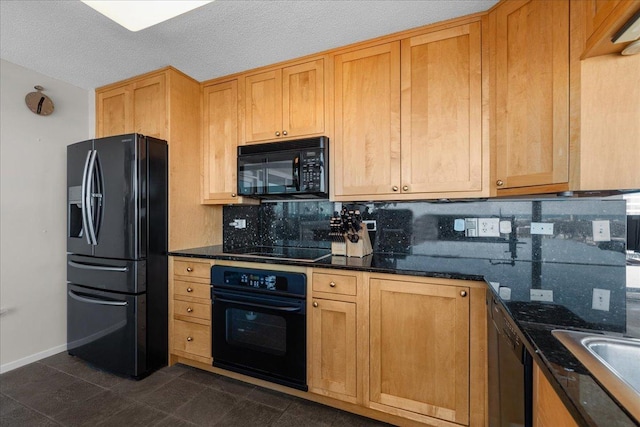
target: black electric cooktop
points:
(294, 253)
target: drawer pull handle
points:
(315, 304)
(189, 290)
(189, 309)
(189, 269)
(189, 339)
(463, 294)
(332, 284)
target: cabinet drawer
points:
(191, 310)
(192, 338)
(334, 283)
(193, 269)
(192, 289)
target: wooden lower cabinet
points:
(548, 409)
(190, 310)
(426, 363)
(334, 346)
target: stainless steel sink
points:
(613, 361)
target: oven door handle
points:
(250, 304)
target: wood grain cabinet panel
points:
(603, 19)
(192, 338)
(408, 118)
(442, 150)
(192, 269)
(367, 121)
(532, 93)
(113, 111)
(220, 143)
(285, 102)
(333, 349)
(548, 409)
(150, 107)
(419, 348)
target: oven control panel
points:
(264, 280)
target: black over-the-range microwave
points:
(296, 169)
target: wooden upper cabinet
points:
(367, 121)
(114, 112)
(139, 106)
(603, 19)
(419, 348)
(150, 107)
(285, 102)
(220, 143)
(532, 93)
(442, 147)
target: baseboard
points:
(32, 358)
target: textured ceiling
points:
(71, 42)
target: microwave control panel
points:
(312, 171)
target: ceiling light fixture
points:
(137, 15)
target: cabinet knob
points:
(233, 194)
(189, 290)
(277, 133)
(499, 183)
(463, 294)
(315, 304)
(189, 269)
(189, 309)
(332, 284)
(405, 188)
(394, 188)
(284, 132)
(189, 339)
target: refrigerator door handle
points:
(97, 267)
(85, 226)
(96, 301)
(88, 199)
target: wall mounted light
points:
(137, 15)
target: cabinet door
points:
(150, 107)
(442, 111)
(367, 121)
(220, 141)
(303, 99)
(419, 348)
(333, 348)
(548, 409)
(532, 93)
(113, 112)
(263, 106)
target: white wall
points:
(33, 212)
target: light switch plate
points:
(601, 231)
(541, 295)
(471, 227)
(542, 228)
(505, 227)
(601, 299)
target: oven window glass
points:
(256, 331)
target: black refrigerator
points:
(117, 308)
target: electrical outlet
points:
(541, 295)
(488, 227)
(370, 224)
(601, 231)
(542, 228)
(601, 299)
(505, 293)
(505, 227)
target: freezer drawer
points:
(107, 329)
(107, 274)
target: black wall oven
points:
(259, 324)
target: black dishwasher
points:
(510, 371)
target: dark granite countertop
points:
(511, 282)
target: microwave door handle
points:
(296, 172)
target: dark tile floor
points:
(64, 390)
